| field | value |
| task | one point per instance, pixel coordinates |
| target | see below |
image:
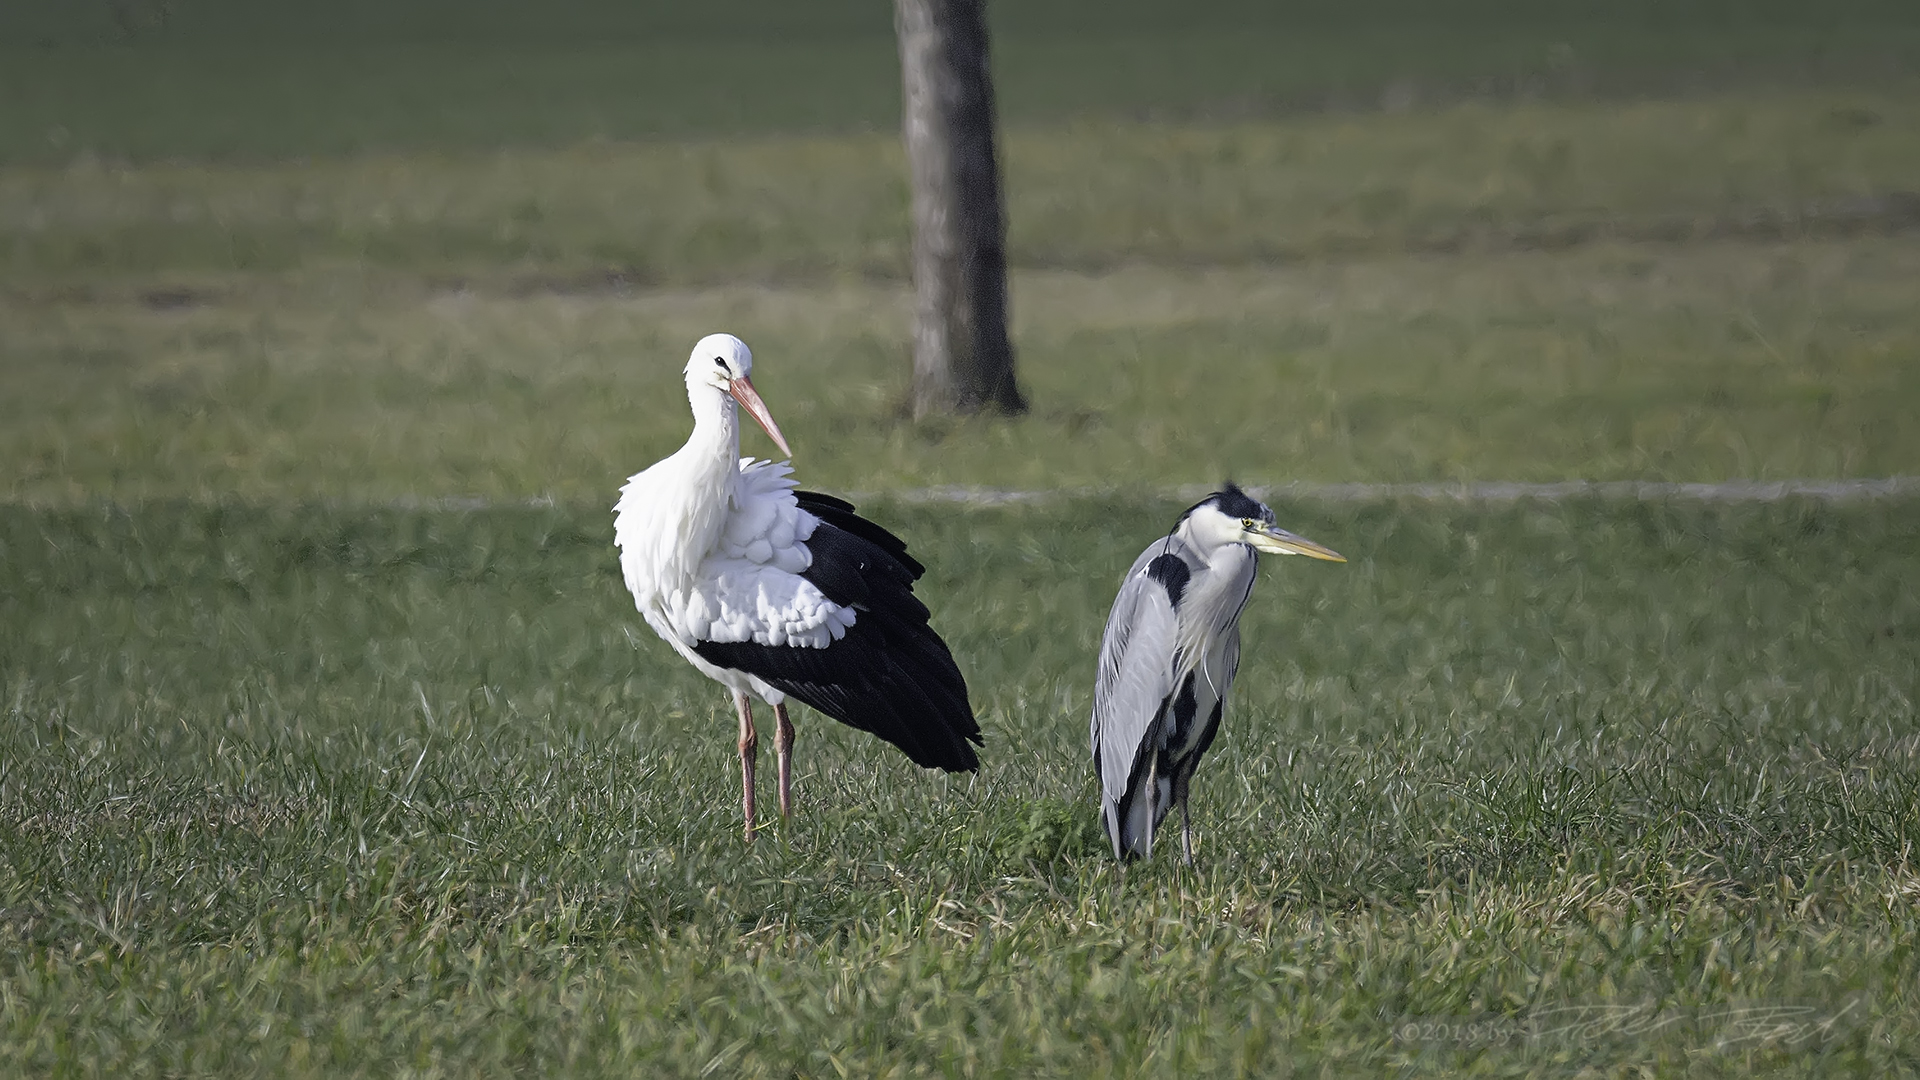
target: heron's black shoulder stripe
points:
(1171, 571)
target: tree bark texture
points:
(962, 360)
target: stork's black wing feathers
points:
(815, 501)
(839, 514)
(891, 675)
(856, 573)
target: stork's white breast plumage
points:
(746, 587)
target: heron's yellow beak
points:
(1281, 542)
(749, 399)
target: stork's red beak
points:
(749, 399)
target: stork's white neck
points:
(708, 467)
(716, 426)
(671, 516)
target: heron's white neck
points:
(1212, 600)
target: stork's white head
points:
(723, 362)
(1231, 516)
(717, 360)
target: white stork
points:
(783, 593)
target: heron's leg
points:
(783, 746)
(1181, 778)
(749, 749)
(1152, 792)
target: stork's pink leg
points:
(783, 746)
(749, 749)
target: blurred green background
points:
(382, 250)
(425, 248)
(228, 78)
(330, 744)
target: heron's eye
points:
(1248, 523)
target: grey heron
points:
(1168, 657)
(778, 593)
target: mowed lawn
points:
(332, 744)
(313, 791)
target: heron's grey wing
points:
(1232, 664)
(1135, 677)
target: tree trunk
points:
(962, 360)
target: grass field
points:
(306, 791)
(304, 773)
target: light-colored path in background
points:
(1893, 487)
(1725, 491)
(1651, 491)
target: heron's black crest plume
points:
(1233, 502)
(1236, 503)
